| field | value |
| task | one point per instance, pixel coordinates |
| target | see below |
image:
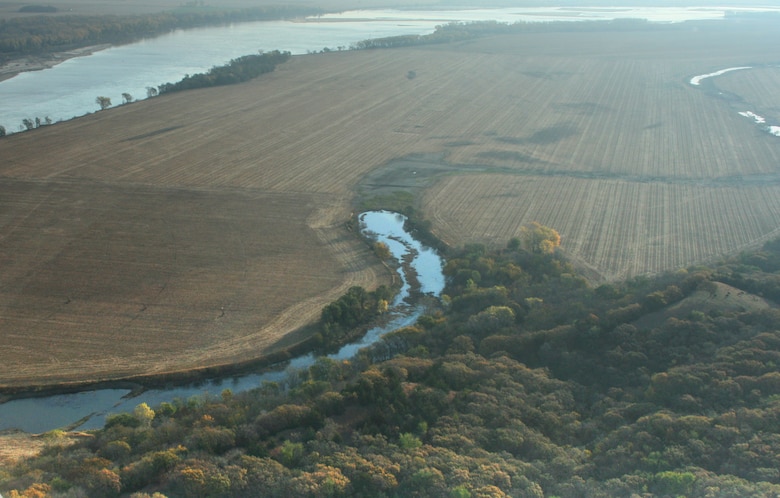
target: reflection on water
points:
(46, 413)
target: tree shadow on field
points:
(545, 136)
(581, 108)
(508, 155)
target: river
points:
(70, 89)
(46, 413)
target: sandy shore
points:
(38, 62)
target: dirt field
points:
(200, 228)
(639, 171)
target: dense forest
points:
(526, 381)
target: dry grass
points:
(125, 235)
(15, 446)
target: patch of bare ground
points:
(201, 228)
(17, 445)
(719, 298)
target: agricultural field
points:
(204, 227)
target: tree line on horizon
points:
(37, 34)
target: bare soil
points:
(202, 228)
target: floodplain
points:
(203, 228)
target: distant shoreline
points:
(40, 62)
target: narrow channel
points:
(36, 415)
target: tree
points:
(126, 98)
(539, 239)
(144, 414)
(151, 92)
(382, 251)
(2, 131)
(103, 102)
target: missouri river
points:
(70, 89)
(91, 407)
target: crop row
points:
(619, 228)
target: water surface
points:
(71, 88)
(42, 414)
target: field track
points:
(201, 228)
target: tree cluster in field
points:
(528, 382)
(40, 34)
(355, 309)
(237, 70)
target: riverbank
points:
(44, 61)
(85, 407)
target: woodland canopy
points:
(528, 381)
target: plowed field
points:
(201, 228)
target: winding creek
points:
(421, 274)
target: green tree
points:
(409, 441)
(103, 102)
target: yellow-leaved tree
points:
(539, 239)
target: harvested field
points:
(134, 279)
(200, 228)
(757, 89)
(617, 228)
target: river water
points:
(71, 88)
(43, 414)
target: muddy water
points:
(421, 274)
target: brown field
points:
(202, 228)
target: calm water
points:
(43, 414)
(69, 89)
